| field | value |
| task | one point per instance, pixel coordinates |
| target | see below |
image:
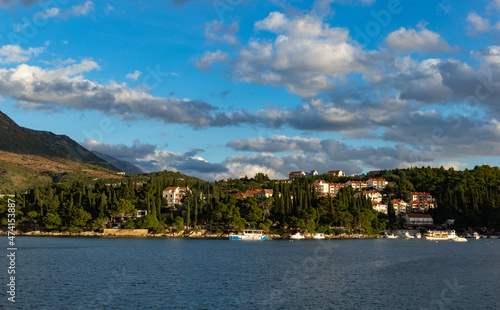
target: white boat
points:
(407, 235)
(475, 235)
(319, 236)
(391, 236)
(418, 235)
(297, 235)
(249, 234)
(459, 239)
(493, 237)
(440, 235)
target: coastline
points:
(139, 233)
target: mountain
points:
(20, 140)
(124, 166)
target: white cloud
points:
(421, 40)
(209, 58)
(16, 54)
(305, 55)
(137, 150)
(134, 76)
(109, 9)
(218, 32)
(82, 10)
(479, 24)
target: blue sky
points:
(219, 89)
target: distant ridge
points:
(123, 165)
(20, 140)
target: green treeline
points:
(471, 197)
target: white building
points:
(378, 184)
(373, 194)
(174, 195)
(421, 206)
(337, 173)
(417, 219)
(357, 185)
(380, 207)
(400, 206)
(325, 188)
(265, 193)
(420, 196)
(296, 174)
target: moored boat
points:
(475, 235)
(408, 236)
(391, 236)
(249, 234)
(297, 235)
(440, 235)
(459, 239)
(319, 236)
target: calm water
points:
(98, 273)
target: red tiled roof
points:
(173, 188)
(297, 172)
(419, 215)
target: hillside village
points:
(411, 209)
(330, 203)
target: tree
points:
(52, 221)
(179, 224)
(79, 217)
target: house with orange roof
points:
(373, 194)
(379, 184)
(252, 192)
(296, 174)
(380, 207)
(357, 185)
(241, 195)
(175, 194)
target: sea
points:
(171, 273)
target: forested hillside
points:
(471, 197)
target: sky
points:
(227, 88)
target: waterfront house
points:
(418, 220)
(175, 194)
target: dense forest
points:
(472, 197)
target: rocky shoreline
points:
(142, 233)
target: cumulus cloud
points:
(65, 87)
(479, 24)
(134, 76)
(209, 58)
(15, 54)
(83, 9)
(305, 55)
(218, 32)
(411, 40)
(188, 163)
(137, 150)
